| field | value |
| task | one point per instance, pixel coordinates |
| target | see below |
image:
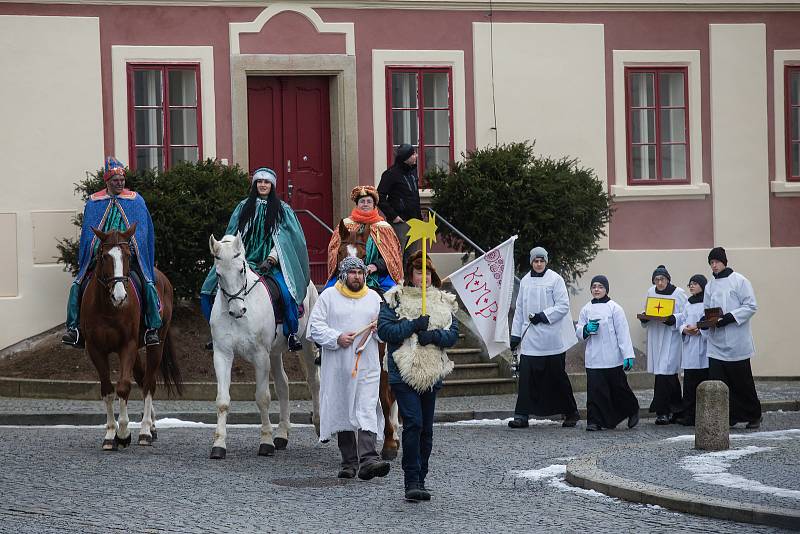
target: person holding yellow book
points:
(664, 343)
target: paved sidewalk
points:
(755, 481)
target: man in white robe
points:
(542, 328)
(351, 370)
(730, 342)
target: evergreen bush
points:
(505, 190)
(187, 203)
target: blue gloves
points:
(428, 337)
(627, 364)
(592, 326)
(421, 323)
(536, 318)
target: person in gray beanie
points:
(542, 329)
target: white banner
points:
(485, 286)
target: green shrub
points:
(188, 203)
(501, 191)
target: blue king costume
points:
(285, 244)
(108, 212)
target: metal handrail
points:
(320, 221)
(467, 240)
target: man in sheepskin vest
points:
(416, 362)
(343, 324)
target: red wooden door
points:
(289, 131)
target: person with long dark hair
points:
(275, 246)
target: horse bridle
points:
(108, 283)
(243, 291)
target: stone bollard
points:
(712, 423)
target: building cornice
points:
(471, 5)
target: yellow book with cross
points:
(658, 307)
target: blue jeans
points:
(416, 410)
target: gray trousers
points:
(357, 454)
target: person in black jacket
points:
(399, 194)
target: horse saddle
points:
(274, 290)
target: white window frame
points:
(781, 187)
(122, 55)
(697, 188)
(416, 58)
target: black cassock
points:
(609, 399)
(544, 387)
(744, 404)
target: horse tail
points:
(170, 373)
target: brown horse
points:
(355, 244)
(111, 322)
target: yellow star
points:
(422, 229)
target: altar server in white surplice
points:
(609, 353)
(664, 348)
(542, 328)
(694, 359)
(730, 342)
(351, 370)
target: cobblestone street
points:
(58, 480)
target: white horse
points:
(243, 324)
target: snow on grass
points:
(712, 468)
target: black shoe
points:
(73, 338)
(417, 495)
(662, 420)
(754, 424)
(294, 343)
(593, 427)
(633, 420)
(423, 487)
(673, 418)
(347, 472)
(571, 420)
(518, 423)
(210, 345)
(685, 421)
(151, 337)
(376, 469)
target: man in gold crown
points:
(366, 228)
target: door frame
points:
(341, 71)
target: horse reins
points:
(243, 291)
(108, 283)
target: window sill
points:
(425, 193)
(622, 193)
(785, 189)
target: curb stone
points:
(584, 472)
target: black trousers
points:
(691, 379)
(609, 398)
(743, 399)
(544, 388)
(666, 395)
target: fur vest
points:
(421, 367)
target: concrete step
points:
(465, 355)
(478, 386)
(469, 371)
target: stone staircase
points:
(475, 373)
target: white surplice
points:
(347, 403)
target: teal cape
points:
(289, 240)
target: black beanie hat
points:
(403, 152)
(718, 253)
(700, 280)
(600, 279)
(661, 271)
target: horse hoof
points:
(217, 453)
(266, 449)
(110, 445)
(145, 440)
(122, 442)
(281, 443)
(154, 434)
(389, 454)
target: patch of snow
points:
(167, 422)
(551, 471)
(494, 422)
(712, 468)
(791, 433)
